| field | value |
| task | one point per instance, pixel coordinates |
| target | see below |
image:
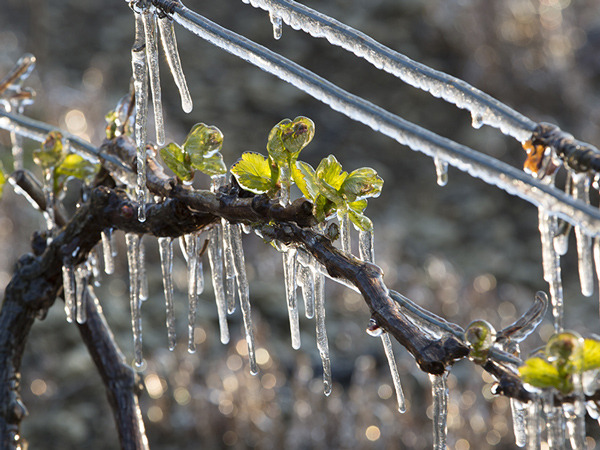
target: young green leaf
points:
(288, 138)
(253, 173)
(51, 152)
(304, 176)
(362, 183)
(330, 172)
(179, 162)
(203, 140)
(361, 221)
(73, 166)
(541, 374)
(591, 354)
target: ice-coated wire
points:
(132, 241)
(169, 42)
(581, 191)
(490, 170)
(107, 251)
(484, 108)
(439, 392)
(140, 85)
(149, 18)
(389, 353)
(165, 246)
(215, 258)
(69, 291)
(289, 275)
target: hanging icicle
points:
(581, 191)
(229, 268)
(149, 19)
(439, 391)
(277, 25)
(534, 422)
(132, 241)
(199, 266)
(82, 275)
(140, 85)
(366, 247)
(345, 237)
(107, 250)
(519, 410)
(389, 353)
(70, 290)
(192, 274)
(555, 427)
(165, 246)
(142, 272)
(289, 274)
(575, 414)
(167, 35)
(307, 283)
(243, 291)
(551, 266)
(441, 171)
(322, 341)
(215, 258)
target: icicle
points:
(132, 241)
(229, 281)
(277, 25)
(581, 191)
(167, 34)
(142, 272)
(49, 197)
(476, 120)
(140, 85)
(551, 266)
(289, 271)
(215, 257)
(192, 262)
(439, 391)
(554, 421)
(165, 246)
(345, 238)
(519, 410)
(239, 263)
(109, 262)
(441, 171)
(322, 341)
(389, 353)
(366, 246)
(70, 290)
(575, 414)
(534, 429)
(199, 267)
(81, 283)
(307, 282)
(561, 239)
(149, 19)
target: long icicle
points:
(167, 35)
(132, 241)
(534, 422)
(322, 341)
(143, 275)
(192, 272)
(289, 273)
(229, 268)
(69, 291)
(165, 246)
(439, 391)
(243, 291)
(140, 85)
(389, 353)
(575, 414)
(519, 410)
(366, 249)
(82, 275)
(149, 18)
(215, 258)
(345, 238)
(581, 191)
(307, 283)
(107, 250)
(554, 421)
(551, 266)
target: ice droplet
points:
(277, 25)
(476, 120)
(149, 19)
(289, 271)
(165, 246)
(132, 241)
(215, 258)
(107, 250)
(389, 353)
(140, 85)
(374, 329)
(439, 391)
(167, 34)
(441, 171)
(69, 289)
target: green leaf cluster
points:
(73, 166)
(51, 152)
(200, 151)
(565, 354)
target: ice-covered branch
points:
(490, 170)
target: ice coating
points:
(439, 392)
(551, 266)
(575, 415)
(169, 42)
(140, 86)
(490, 170)
(581, 191)
(289, 274)
(484, 108)
(132, 241)
(389, 353)
(149, 19)
(165, 246)
(215, 258)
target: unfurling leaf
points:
(288, 138)
(541, 374)
(361, 221)
(176, 160)
(330, 171)
(74, 166)
(362, 183)
(304, 176)
(253, 173)
(202, 145)
(51, 152)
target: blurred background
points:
(464, 251)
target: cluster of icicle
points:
(145, 65)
